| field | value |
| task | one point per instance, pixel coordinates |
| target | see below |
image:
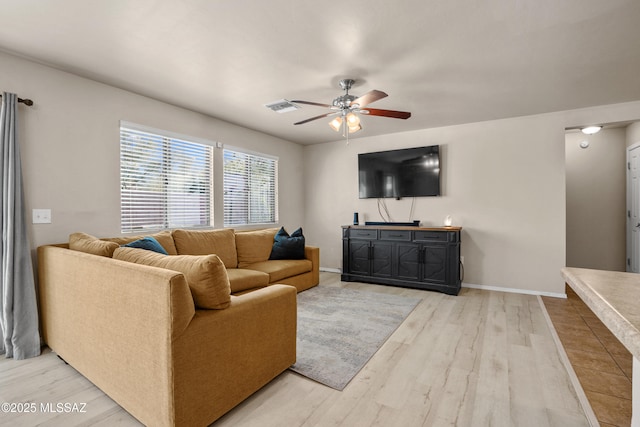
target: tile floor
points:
(600, 361)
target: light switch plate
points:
(42, 216)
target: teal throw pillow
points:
(148, 243)
(287, 246)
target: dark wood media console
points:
(412, 257)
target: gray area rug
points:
(339, 330)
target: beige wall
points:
(503, 181)
(596, 200)
(70, 149)
(633, 134)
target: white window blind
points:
(250, 189)
(165, 182)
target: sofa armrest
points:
(312, 253)
(226, 355)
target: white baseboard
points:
(331, 270)
(514, 291)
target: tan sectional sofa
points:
(137, 331)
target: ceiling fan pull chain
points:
(345, 130)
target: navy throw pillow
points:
(148, 243)
(287, 246)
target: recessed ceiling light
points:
(590, 130)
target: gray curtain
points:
(19, 336)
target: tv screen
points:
(410, 172)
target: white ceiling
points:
(447, 61)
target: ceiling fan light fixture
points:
(354, 128)
(347, 108)
(352, 119)
(590, 130)
(336, 124)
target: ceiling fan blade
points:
(387, 113)
(314, 118)
(369, 97)
(318, 104)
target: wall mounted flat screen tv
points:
(410, 172)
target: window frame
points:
(167, 138)
(275, 185)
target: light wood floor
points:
(482, 358)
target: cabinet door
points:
(359, 257)
(408, 255)
(381, 259)
(434, 264)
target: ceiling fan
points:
(347, 107)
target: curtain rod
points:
(27, 102)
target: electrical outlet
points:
(41, 216)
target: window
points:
(250, 189)
(165, 181)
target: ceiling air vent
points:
(282, 106)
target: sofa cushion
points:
(254, 246)
(241, 279)
(148, 243)
(92, 245)
(221, 242)
(288, 247)
(163, 237)
(205, 274)
(281, 269)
